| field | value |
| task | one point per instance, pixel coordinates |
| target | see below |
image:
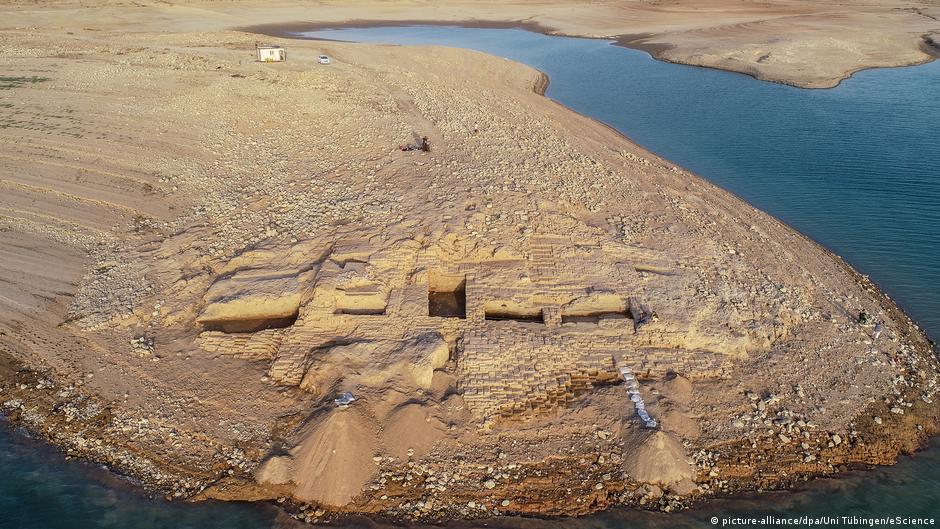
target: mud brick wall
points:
(508, 368)
(261, 345)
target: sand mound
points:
(678, 389)
(333, 461)
(276, 470)
(658, 458)
(680, 423)
(411, 427)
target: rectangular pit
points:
(447, 296)
(507, 310)
(361, 311)
(248, 325)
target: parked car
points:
(323, 59)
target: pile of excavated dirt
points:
(333, 460)
(657, 457)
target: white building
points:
(271, 53)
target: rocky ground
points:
(141, 167)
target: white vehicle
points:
(323, 59)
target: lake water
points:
(857, 168)
(39, 489)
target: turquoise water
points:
(856, 168)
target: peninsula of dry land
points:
(200, 253)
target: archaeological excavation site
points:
(467, 341)
(524, 335)
(531, 316)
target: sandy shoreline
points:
(657, 50)
(799, 50)
(275, 198)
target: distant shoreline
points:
(639, 41)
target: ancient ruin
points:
(527, 333)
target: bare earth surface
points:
(200, 252)
(807, 43)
